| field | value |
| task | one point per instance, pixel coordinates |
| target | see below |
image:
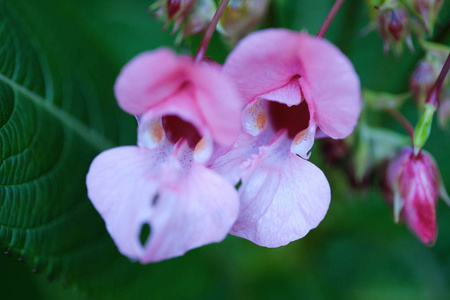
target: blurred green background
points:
(357, 252)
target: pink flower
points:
(162, 184)
(414, 184)
(293, 85)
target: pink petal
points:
(181, 104)
(219, 103)
(199, 211)
(148, 79)
(419, 187)
(332, 84)
(420, 216)
(155, 81)
(267, 60)
(228, 162)
(263, 61)
(185, 208)
(289, 94)
(121, 186)
(283, 196)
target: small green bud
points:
(423, 128)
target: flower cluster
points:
(204, 128)
(191, 17)
(397, 19)
(224, 149)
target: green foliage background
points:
(58, 63)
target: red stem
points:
(405, 123)
(329, 18)
(210, 31)
(433, 96)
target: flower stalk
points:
(323, 29)
(404, 122)
(423, 127)
(433, 96)
(210, 31)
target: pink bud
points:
(428, 10)
(241, 17)
(422, 81)
(444, 111)
(414, 185)
(173, 6)
(398, 23)
(394, 27)
(198, 19)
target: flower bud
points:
(427, 11)
(172, 10)
(413, 185)
(427, 71)
(422, 81)
(393, 25)
(199, 18)
(241, 17)
(189, 17)
(335, 151)
(444, 110)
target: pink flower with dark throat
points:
(413, 186)
(162, 185)
(293, 86)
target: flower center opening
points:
(175, 129)
(294, 119)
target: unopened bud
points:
(335, 151)
(241, 17)
(427, 71)
(172, 10)
(199, 18)
(393, 25)
(427, 11)
(444, 110)
(173, 6)
(414, 185)
(422, 81)
(189, 17)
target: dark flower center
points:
(294, 118)
(175, 129)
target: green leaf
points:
(57, 112)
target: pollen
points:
(200, 146)
(300, 137)
(253, 107)
(261, 119)
(156, 132)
